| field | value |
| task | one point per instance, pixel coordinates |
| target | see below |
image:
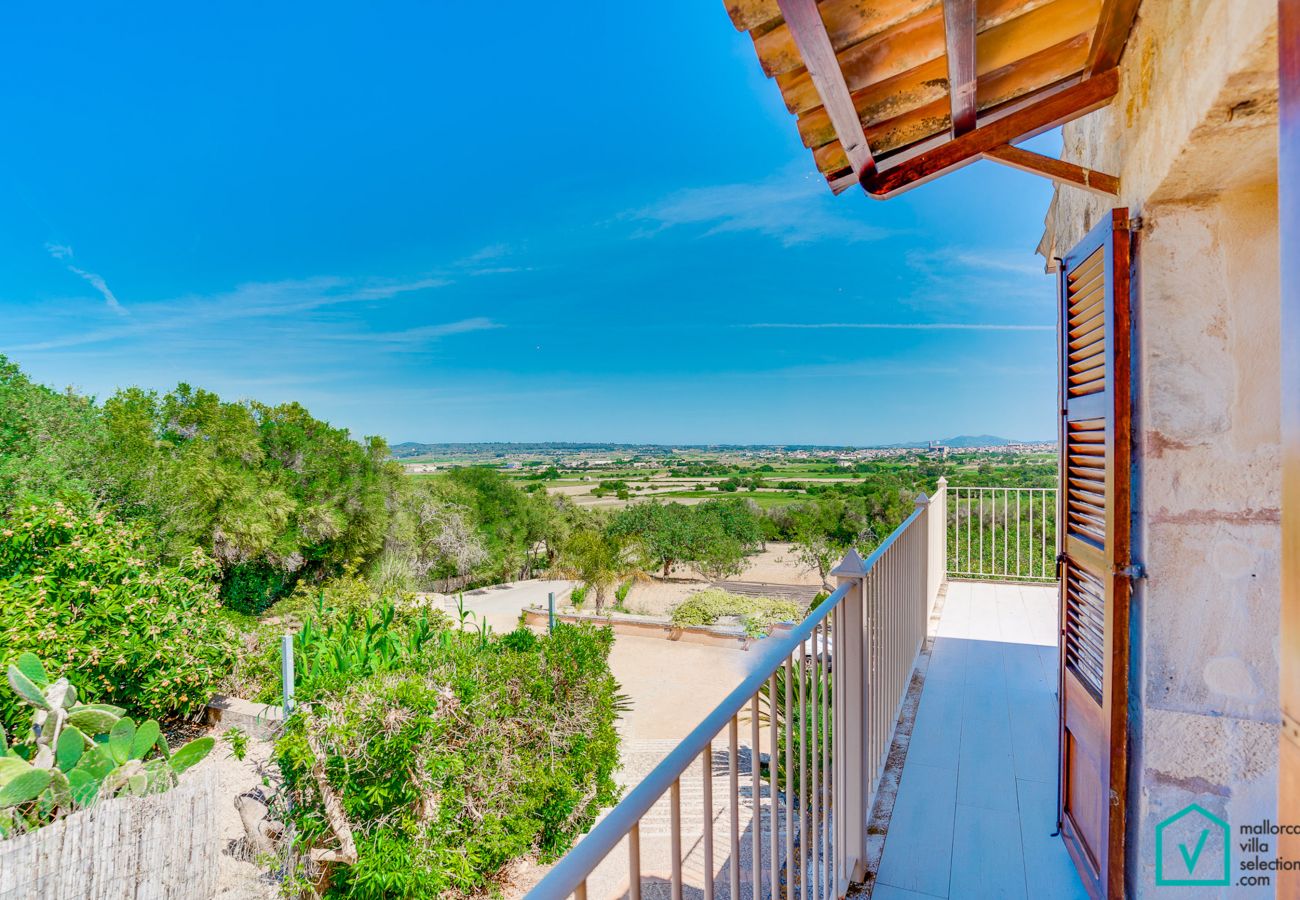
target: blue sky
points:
(447, 222)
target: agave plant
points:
(77, 753)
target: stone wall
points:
(1193, 137)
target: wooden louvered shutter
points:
(1095, 439)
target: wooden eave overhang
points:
(890, 94)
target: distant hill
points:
(977, 440)
(965, 441)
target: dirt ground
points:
(240, 878)
(775, 565)
(778, 565)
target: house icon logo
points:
(1192, 849)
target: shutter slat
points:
(1089, 268)
(1095, 343)
(1085, 628)
(1087, 318)
(1086, 328)
(1085, 479)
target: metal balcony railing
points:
(823, 697)
(1002, 533)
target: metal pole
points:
(286, 671)
(550, 618)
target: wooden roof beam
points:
(1057, 170)
(959, 40)
(810, 37)
(1113, 27)
(1062, 106)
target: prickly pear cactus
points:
(78, 753)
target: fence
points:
(823, 696)
(1006, 534)
(160, 847)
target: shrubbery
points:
(88, 595)
(77, 753)
(319, 610)
(46, 440)
(251, 587)
(578, 596)
(481, 750)
(756, 614)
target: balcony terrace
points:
(939, 779)
(975, 811)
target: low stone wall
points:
(646, 627)
(163, 847)
(259, 720)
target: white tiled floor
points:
(976, 805)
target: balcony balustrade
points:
(771, 795)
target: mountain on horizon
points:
(965, 441)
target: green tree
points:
(270, 492)
(723, 533)
(517, 526)
(599, 560)
(47, 440)
(664, 531)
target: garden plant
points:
(76, 754)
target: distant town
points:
(615, 475)
(429, 457)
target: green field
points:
(691, 473)
(764, 499)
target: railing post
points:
(939, 539)
(925, 533)
(850, 766)
(941, 498)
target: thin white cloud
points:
(917, 326)
(488, 261)
(63, 253)
(384, 291)
(965, 369)
(194, 315)
(790, 207)
(994, 261)
(491, 251)
(98, 284)
(422, 334)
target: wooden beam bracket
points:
(1057, 170)
(804, 20)
(1063, 106)
(959, 39)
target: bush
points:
(756, 614)
(578, 596)
(84, 593)
(251, 587)
(485, 751)
(344, 631)
(620, 594)
(47, 440)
